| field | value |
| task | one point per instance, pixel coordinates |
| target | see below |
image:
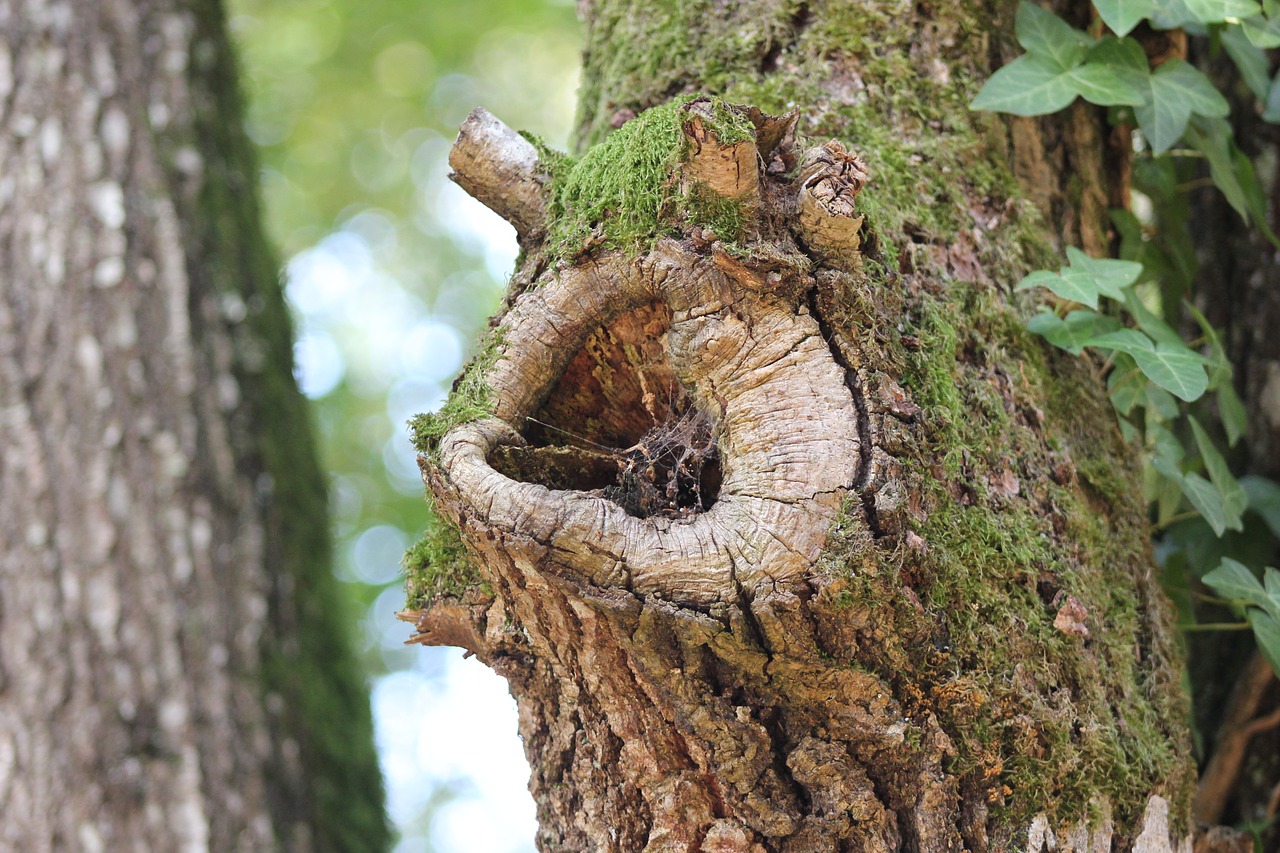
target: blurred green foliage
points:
(392, 271)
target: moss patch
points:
(622, 193)
(1041, 719)
(436, 566)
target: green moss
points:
(471, 399)
(622, 193)
(437, 565)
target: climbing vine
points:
(1128, 309)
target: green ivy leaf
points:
(1207, 500)
(1271, 113)
(1060, 45)
(1108, 86)
(1264, 499)
(1070, 332)
(1109, 276)
(1155, 328)
(1249, 58)
(1233, 580)
(1127, 386)
(1085, 278)
(1261, 31)
(1177, 91)
(1176, 368)
(1266, 630)
(1123, 15)
(1218, 11)
(1235, 421)
(1172, 15)
(1028, 86)
(1234, 499)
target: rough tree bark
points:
(174, 674)
(785, 533)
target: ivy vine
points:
(1210, 522)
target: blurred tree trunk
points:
(175, 671)
(907, 601)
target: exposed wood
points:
(500, 168)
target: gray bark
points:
(163, 534)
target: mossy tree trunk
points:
(174, 669)
(784, 531)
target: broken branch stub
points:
(728, 167)
(830, 179)
(499, 167)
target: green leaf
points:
(1218, 11)
(1124, 340)
(1260, 31)
(1060, 45)
(1264, 499)
(1177, 91)
(1207, 500)
(1123, 15)
(1234, 499)
(1271, 583)
(1178, 370)
(1272, 111)
(1212, 138)
(1233, 580)
(1028, 86)
(1158, 330)
(1127, 386)
(1235, 421)
(1071, 332)
(1075, 288)
(1266, 630)
(1249, 58)
(1109, 276)
(1172, 15)
(1103, 84)
(1174, 367)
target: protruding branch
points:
(499, 167)
(728, 168)
(830, 179)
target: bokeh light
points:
(392, 272)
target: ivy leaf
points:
(1085, 278)
(1261, 31)
(1264, 499)
(1109, 276)
(1266, 630)
(1207, 500)
(1218, 11)
(1155, 328)
(1232, 579)
(1234, 418)
(1045, 35)
(1127, 386)
(1174, 367)
(1177, 91)
(1248, 56)
(1028, 86)
(1272, 111)
(1172, 15)
(1104, 84)
(1123, 15)
(1234, 500)
(1071, 332)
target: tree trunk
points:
(174, 668)
(784, 531)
